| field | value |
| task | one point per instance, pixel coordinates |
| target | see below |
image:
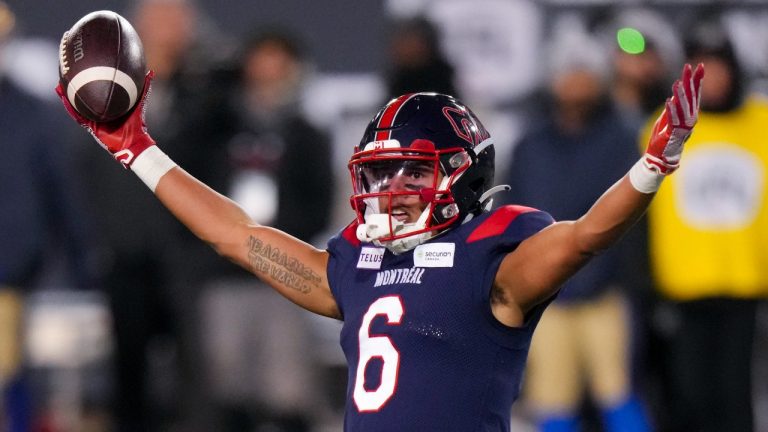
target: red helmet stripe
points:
(387, 118)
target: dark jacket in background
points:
(41, 214)
(565, 174)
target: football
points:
(102, 66)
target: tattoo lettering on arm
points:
(270, 261)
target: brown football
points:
(102, 66)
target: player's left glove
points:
(676, 122)
(670, 132)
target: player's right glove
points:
(670, 132)
(125, 138)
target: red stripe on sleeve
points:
(498, 222)
(350, 234)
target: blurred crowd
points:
(113, 317)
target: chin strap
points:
(404, 244)
(377, 225)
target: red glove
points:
(675, 124)
(125, 138)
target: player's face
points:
(401, 182)
(577, 89)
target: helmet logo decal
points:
(465, 130)
(383, 144)
(468, 131)
(388, 116)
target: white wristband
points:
(643, 179)
(152, 164)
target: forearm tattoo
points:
(271, 262)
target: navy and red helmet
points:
(438, 151)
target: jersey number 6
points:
(381, 347)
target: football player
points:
(439, 295)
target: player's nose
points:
(398, 184)
(404, 201)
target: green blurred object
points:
(630, 40)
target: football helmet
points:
(425, 163)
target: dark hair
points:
(279, 36)
(435, 73)
(424, 28)
(710, 38)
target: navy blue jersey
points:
(424, 350)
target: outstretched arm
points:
(534, 271)
(293, 268)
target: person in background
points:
(276, 164)
(639, 83)
(573, 151)
(708, 231)
(152, 300)
(416, 61)
(639, 86)
(42, 222)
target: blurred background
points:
(113, 318)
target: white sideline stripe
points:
(102, 73)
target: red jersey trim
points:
(350, 234)
(498, 222)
